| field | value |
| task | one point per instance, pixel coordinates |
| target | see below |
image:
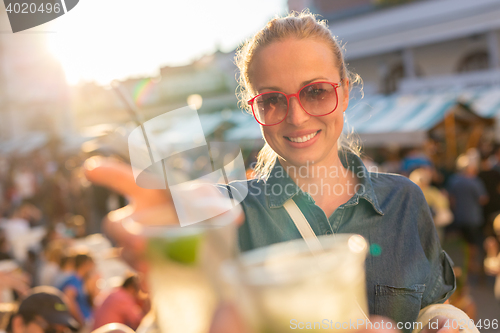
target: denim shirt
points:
(406, 269)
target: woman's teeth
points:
(304, 138)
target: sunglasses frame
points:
(296, 95)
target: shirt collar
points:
(280, 187)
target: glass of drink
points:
(184, 270)
(286, 286)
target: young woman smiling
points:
(294, 80)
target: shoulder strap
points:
(302, 225)
(308, 234)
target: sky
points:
(103, 40)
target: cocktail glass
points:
(184, 271)
(286, 286)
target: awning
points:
(483, 101)
(415, 24)
(405, 118)
(398, 113)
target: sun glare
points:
(114, 39)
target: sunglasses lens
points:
(318, 98)
(270, 108)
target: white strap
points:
(302, 225)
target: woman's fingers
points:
(195, 201)
(227, 320)
(121, 234)
(109, 173)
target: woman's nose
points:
(296, 114)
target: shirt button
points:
(328, 232)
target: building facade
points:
(410, 54)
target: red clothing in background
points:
(119, 307)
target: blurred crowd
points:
(51, 222)
(50, 218)
(465, 205)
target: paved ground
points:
(481, 289)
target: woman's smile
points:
(301, 140)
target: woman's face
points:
(287, 66)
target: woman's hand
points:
(118, 177)
(146, 206)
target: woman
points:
(294, 77)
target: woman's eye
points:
(271, 100)
(316, 92)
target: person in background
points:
(496, 155)
(32, 267)
(66, 269)
(392, 161)
(79, 304)
(414, 159)
(467, 196)
(19, 232)
(5, 248)
(16, 228)
(30, 213)
(49, 269)
(24, 182)
(437, 201)
(51, 235)
(121, 306)
(492, 261)
(491, 180)
(43, 311)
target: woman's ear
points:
(345, 92)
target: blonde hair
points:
(303, 25)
